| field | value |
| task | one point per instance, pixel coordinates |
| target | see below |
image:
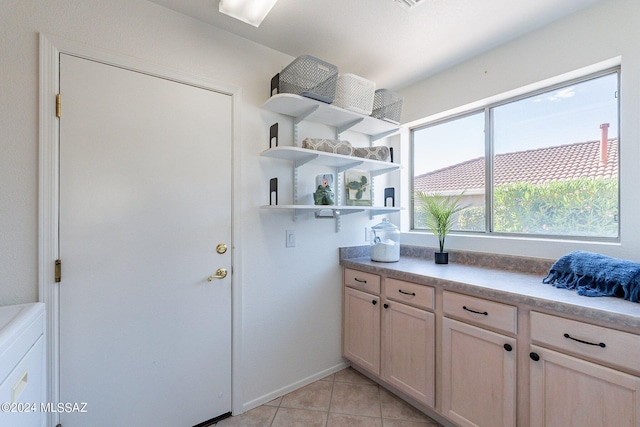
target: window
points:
(544, 164)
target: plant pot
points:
(441, 257)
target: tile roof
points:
(538, 166)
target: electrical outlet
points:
(290, 241)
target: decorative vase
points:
(441, 257)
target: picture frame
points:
(358, 188)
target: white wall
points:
(291, 302)
(610, 29)
(291, 298)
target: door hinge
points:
(58, 271)
(58, 106)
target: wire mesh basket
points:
(387, 106)
(309, 77)
(355, 93)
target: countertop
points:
(506, 286)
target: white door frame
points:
(49, 142)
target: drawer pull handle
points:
(508, 347)
(386, 306)
(413, 294)
(603, 345)
(534, 356)
(464, 307)
(374, 302)
(359, 281)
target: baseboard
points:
(293, 387)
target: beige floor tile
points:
(401, 423)
(329, 378)
(396, 408)
(274, 402)
(343, 420)
(352, 376)
(262, 416)
(344, 399)
(289, 417)
(355, 399)
(316, 396)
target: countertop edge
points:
(516, 288)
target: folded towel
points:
(328, 145)
(374, 153)
(596, 275)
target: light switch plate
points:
(290, 241)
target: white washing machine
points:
(22, 365)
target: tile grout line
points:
(333, 384)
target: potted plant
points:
(439, 213)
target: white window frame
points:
(487, 106)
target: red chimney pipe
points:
(604, 143)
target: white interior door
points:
(145, 197)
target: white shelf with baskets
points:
(302, 108)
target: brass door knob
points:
(221, 273)
(221, 248)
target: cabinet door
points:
(362, 329)
(408, 336)
(478, 376)
(567, 391)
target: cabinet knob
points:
(374, 302)
(386, 306)
(508, 347)
(534, 356)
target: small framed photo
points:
(358, 188)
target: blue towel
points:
(596, 275)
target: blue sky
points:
(567, 115)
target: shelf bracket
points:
(304, 160)
(347, 126)
(352, 211)
(349, 166)
(299, 118)
(325, 213)
(378, 136)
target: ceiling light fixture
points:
(408, 4)
(250, 11)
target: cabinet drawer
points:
(409, 293)
(480, 311)
(361, 280)
(595, 342)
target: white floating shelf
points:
(300, 156)
(309, 109)
(335, 212)
(332, 207)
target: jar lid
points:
(385, 225)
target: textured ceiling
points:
(380, 41)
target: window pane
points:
(555, 164)
(448, 158)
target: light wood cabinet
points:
(567, 390)
(408, 349)
(362, 329)
(478, 376)
(391, 338)
(478, 365)
(494, 364)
